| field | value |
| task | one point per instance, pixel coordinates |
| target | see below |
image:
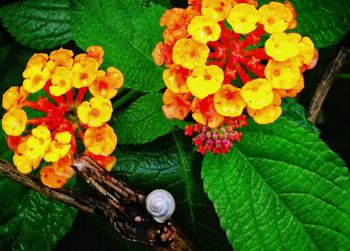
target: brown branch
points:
(84, 203)
(122, 205)
(326, 83)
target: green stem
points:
(119, 102)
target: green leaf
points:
(323, 21)
(14, 59)
(143, 121)
(29, 221)
(38, 24)
(37, 224)
(170, 163)
(127, 31)
(165, 3)
(280, 188)
(296, 113)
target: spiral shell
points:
(160, 204)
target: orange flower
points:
(203, 111)
(100, 140)
(96, 52)
(107, 85)
(62, 57)
(176, 105)
(51, 179)
(175, 79)
(14, 97)
(63, 167)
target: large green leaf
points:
(29, 221)
(127, 31)
(322, 20)
(280, 188)
(170, 163)
(143, 121)
(37, 224)
(38, 24)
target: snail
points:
(160, 204)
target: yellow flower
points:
(281, 46)
(257, 93)
(95, 112)
(107, 85)
(306, 51)
(228, 101)
(189, 53)
(58, 147)
(84, 72)
(23, 163)
(204, 29)
(268, 114)
(35, 78)
(275, 17)
(100, 140)
(217, 9)
(175, 79)
(61, 81)
(243, 18)
(293, 91)
(37, 143)
(14, 97)
(205, 80)
(14, 122)
(283, 75)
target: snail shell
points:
(160, 204)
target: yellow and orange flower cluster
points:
(232, 56)
(63, 82)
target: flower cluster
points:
(228, 57)
(55, 87)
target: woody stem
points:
(326, 83)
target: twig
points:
(326, 83)
(123, 206)
(84, 203)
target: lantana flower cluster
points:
(228, 58)
(59, 83)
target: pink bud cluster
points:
(216, 140)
